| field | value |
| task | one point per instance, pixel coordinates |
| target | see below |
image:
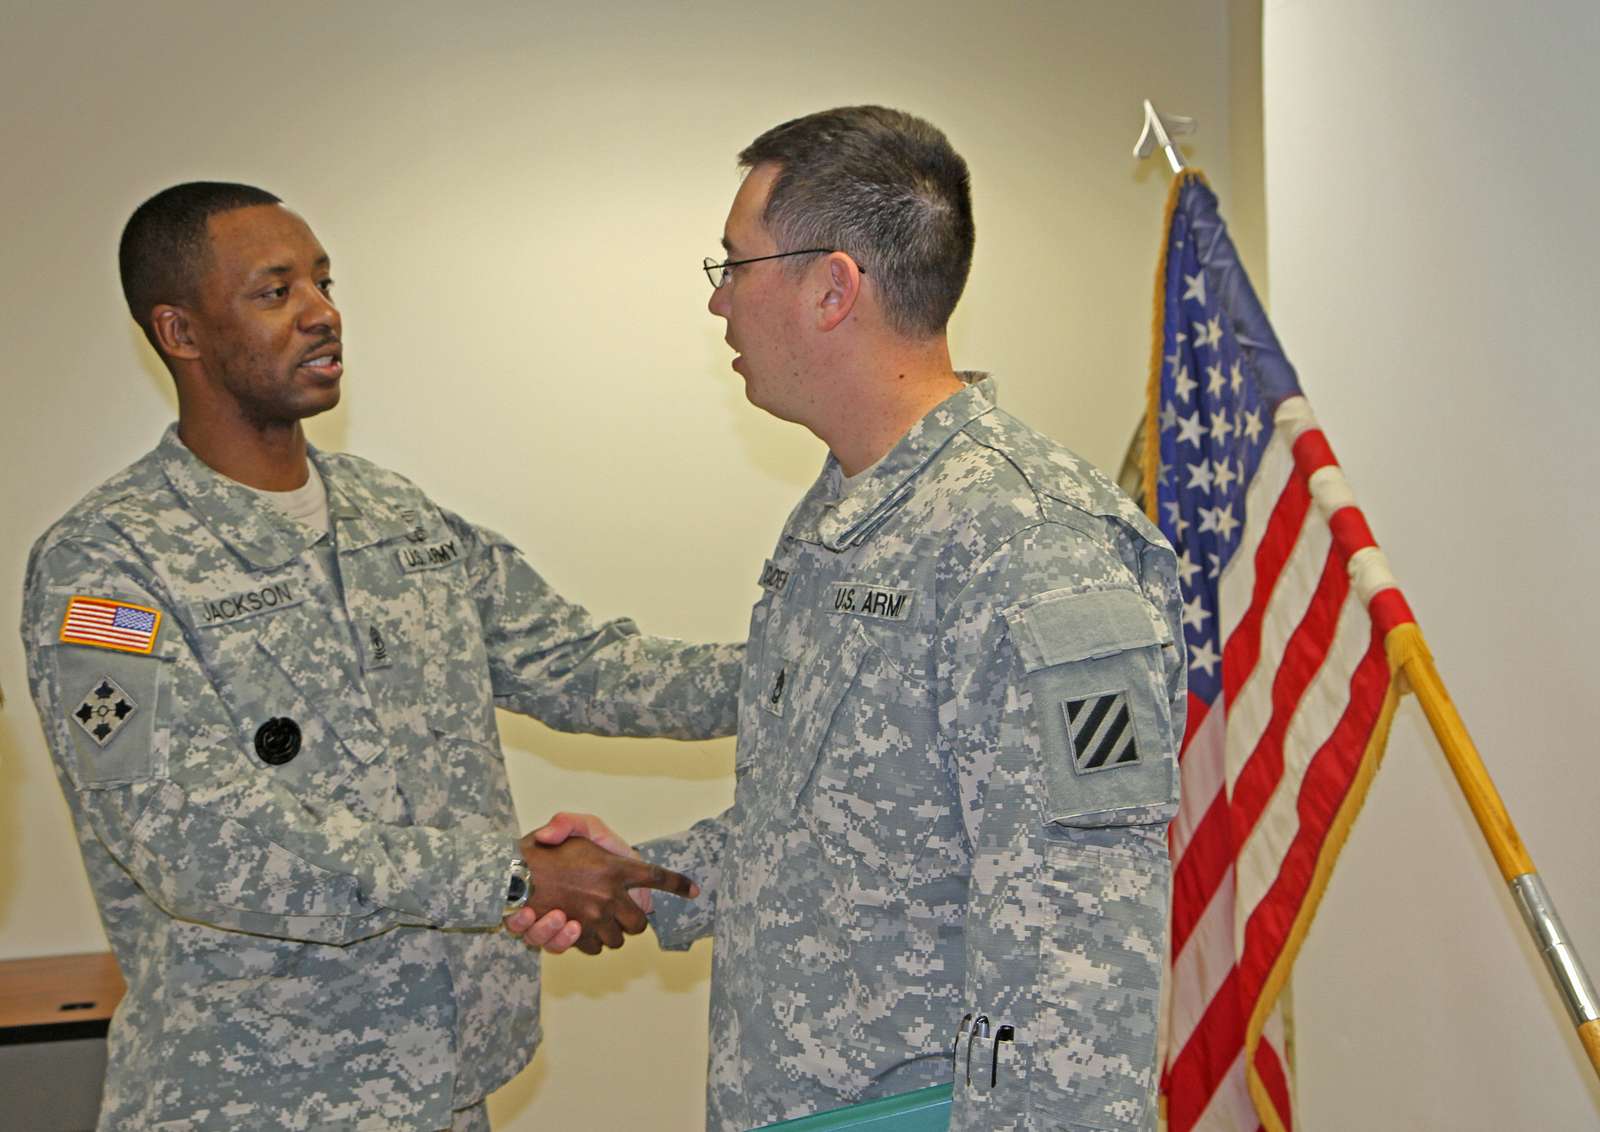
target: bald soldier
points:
(963, 692)
(268, 678)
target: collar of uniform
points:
(854, 514)
(246, 525)
(360, 516)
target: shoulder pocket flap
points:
(107, 703)
(1064, 626)
(104, 694)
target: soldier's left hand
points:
(552, 932)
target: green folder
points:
(926, 1110)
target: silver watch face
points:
(520, 887)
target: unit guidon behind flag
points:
(1287, 607)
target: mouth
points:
(326, 361)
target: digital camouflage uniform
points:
(313, 941)
(956, 764)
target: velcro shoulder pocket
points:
(1094, 672)
(105, 701)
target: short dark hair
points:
(887, 188)
(165, 244)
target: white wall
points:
(1431, 183)
(517, 197)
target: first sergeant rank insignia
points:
(104, 710)
(377, 651)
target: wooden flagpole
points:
(1409, 657)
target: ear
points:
(173, 332)
(843, 281)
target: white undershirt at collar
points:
(307, 504)
(847, 482)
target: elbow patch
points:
(1093, 668)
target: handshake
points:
(589, 887)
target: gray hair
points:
(884, 187)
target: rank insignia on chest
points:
(415, 532)
(109, 624)
(772, 699)
(376, 649)
(103, 710)
(1102, 732)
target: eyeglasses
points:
(719, 273)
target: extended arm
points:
(211, 830)
(696, 851)
(549, 659)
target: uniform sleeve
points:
(548, 658)
(1057, 717)
(696, 853)
(159, 773)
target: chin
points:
(752, 394)
(772, 409)
(316, 406)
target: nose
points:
(318, 314)
(719, 303)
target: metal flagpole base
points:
(1565, 966)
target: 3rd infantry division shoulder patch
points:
(1102, 732)
(109, 624)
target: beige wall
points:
(1431, 180)
(517, 198)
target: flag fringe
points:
(1152, 399)
(1404, 644)
(1400, 645)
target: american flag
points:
(1287, 605)
(110, 624)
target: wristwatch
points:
(519, 889)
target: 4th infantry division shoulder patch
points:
(103, 710)
(109, 624)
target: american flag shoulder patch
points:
(110, 624)
(1102, 732)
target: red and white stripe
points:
(1305, 604)
(91, 621)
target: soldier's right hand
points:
(590, 886)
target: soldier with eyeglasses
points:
(963, 692)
